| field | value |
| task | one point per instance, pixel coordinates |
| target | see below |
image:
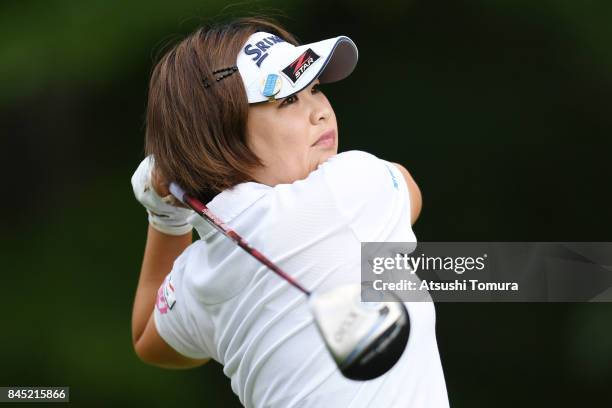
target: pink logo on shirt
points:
(162, 304)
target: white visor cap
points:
(272, 68)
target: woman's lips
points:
(327, 139)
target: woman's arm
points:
(160, 252)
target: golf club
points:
(365, 339)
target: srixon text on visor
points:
(259, 50)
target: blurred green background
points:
(500, 110)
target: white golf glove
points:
(163, 216)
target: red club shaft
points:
(201, 209)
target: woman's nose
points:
(321, 110)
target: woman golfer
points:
(237, 118)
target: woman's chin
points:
(328, 154)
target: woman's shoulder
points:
(350, 157)
(348, 174)
(343, 165)
(359, 171)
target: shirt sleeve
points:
(178, 317)
(370, 192)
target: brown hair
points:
(196, 125)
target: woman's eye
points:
(289, 100)
(293, 98)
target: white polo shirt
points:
(226, 306)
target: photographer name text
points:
(456, 285)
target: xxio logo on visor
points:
(295, 70)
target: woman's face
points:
(292, 136)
